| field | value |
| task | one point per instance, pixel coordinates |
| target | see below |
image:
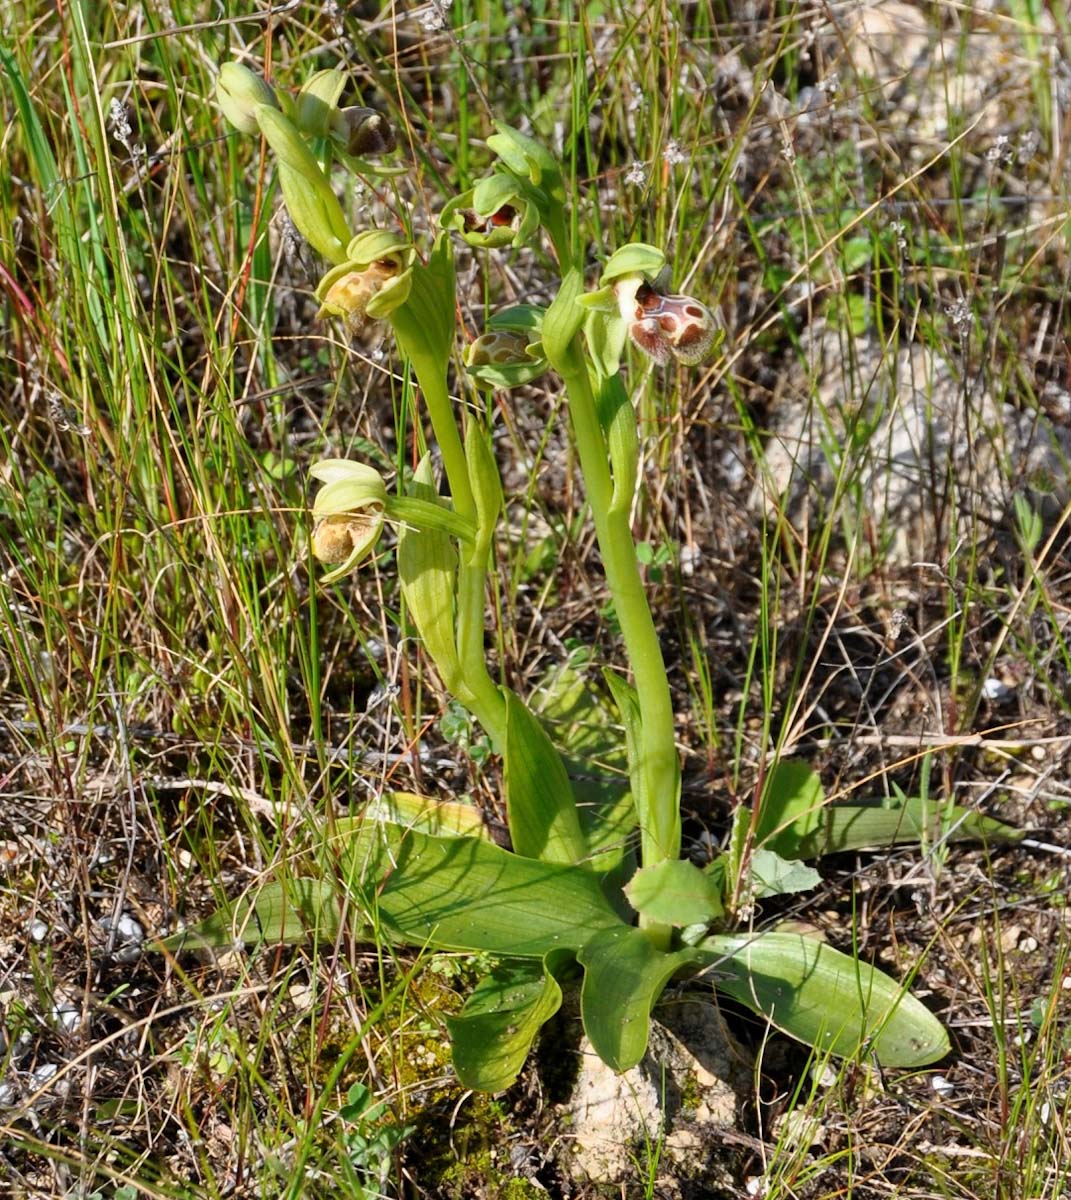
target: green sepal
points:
(637, 258)
(526, 157)
(540, 805)
(492, 1036)
(370, 245)
(518, 318)
(317, 101)
(238, 92)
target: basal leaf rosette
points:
(509, 353)
(374, 280)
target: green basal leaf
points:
(495, 1031)
(441, 818)
(468, 894)
(826, 999)
(540, 805)
(797, 823)
(792, 800)
(623, 977)
(288, 911)
(675, 892)
(427, 570)
(772, 875)
(561, 323)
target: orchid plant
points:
(594, 885)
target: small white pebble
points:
(67, 1016)
(38, 931)
(996, 691)
(1028, 945)
(44, 1073)
(691, 556)
(1065, 984)
(941, 1086)
(1046, 1112)
(756, 1185)
(825, 1078)
(129, 930)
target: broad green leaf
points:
(796, 822)
(492, 1037)
(581, 719)
(792, 800)
(561, 323)
(468, 894)
(675, 892)
(484, 479)
(540, 805)
(623, 977)
(441, 818)
(583, 722)
(424, 324)
(427, 570)
(772, 875)
(288, 911)
(825, 998)
(876, 825)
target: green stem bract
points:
(478, 692)
(659, 811)
(425, 514)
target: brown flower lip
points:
(663, 325)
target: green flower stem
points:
(479, 692)
(660, 824)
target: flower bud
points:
(362, 132)
(238, 92)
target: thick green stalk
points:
(659, 764)
(479, 693)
